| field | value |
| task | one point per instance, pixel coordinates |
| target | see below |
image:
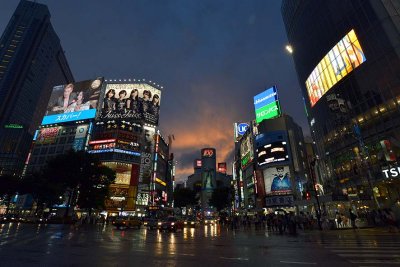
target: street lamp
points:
(289, 49)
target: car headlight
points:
(145, 223)
(206, 221)
(159, 223)
(185, 222)
(173, 223)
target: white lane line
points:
(375, 262)
(238, 259)
(380, 250)
(360, 247)
(369, 255)
(299, 262)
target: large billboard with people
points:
(73, 101)
(277, 180)
(342, 59)
(131, 102)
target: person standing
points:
(353, 218)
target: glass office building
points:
(32, 61)
(346, 55)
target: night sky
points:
(210, 56)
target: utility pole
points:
(313, 178)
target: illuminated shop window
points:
(342, 59)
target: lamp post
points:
(312, 169)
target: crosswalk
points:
(368, 250)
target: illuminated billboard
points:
(342, 59)
(246, 150)
(72, 102)
(131, 102)
(271, 153)
(239, 130)
(222, 167)
(47, 135)
(266, 105)
(277, 180)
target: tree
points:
(9, 186)
(184, 197)
(221, 198)
(82, 175)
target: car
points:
(129, 222)
(171, 224)
(209, 221)
(191, 222)
(150, 223)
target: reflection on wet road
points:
(98, 245)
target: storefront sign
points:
(279, 201)
(392, 172)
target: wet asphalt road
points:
(206, 246)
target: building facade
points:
(346, 55)
(32, 61)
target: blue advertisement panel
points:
(73, 101)
(267, 97)
(71, 116)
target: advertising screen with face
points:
(131, 102)
(72, 102)
(342, 59)
(277, 180)
(273, 152)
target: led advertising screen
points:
(266, 105)
(72, 102)
(47, 135)
(277, 180)
(271, 153)
(342, 59)
(131, 102)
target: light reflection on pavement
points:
(102, 245)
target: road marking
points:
(380, 250)
(376, 262)
(368, 255)
(360, 247)
(299, 262)
(239, 259)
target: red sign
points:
(104, 141)
(208, 153)
(103, 146)
(135, 174)
(222, 167)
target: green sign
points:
(267, 112)
(245, 160)
(13, 126)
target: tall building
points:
(208, 176)
(32, 61)
(346, 55)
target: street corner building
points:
(347, 62)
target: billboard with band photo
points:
(131, 102)
(73, 101)
(277, 180)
